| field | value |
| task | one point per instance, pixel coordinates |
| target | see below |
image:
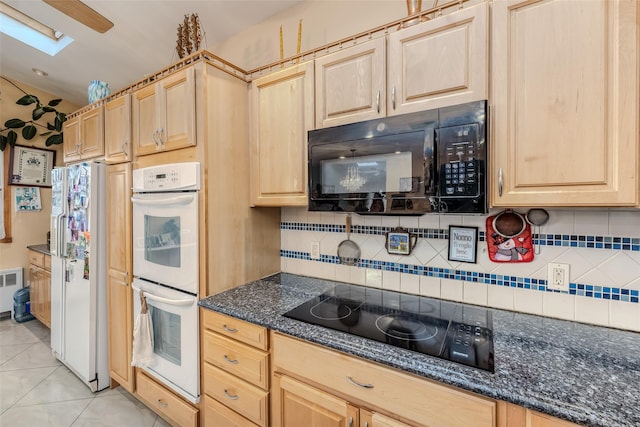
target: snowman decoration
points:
(509, 249)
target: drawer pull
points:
(228, 329)
(232, 361)
(350, 421)
(230, 396)
(162, 404)
(354, 382)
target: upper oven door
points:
(165, 239)
(174, 321)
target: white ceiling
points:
(141, 41)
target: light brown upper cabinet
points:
(117, 130)
(440, 62)
(84, 136)
(350, 84)
(564, 109)
(436, 63)
(281, 116)
(164, 116)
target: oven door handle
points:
(178, 200)
(186, 301)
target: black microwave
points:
(410, 164)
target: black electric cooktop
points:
(452, 331)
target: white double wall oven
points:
(165, 268)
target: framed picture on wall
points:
(30, 166)
(463, 243)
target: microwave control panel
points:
(460, 158)
(169, 177)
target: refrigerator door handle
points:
(185, 301)
(178, 200)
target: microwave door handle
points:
(185, 301)
(178, 200)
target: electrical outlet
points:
(315, 250)
(558, 276)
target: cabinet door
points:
(439, 62)
(117, 130)
(144, 124)
(46, 298)
(92, 133)
(71, 140)
(119, 294)
(350, 84)
(564, 117)
(298, 404)
(176, 110)
(282, 114)
(34, 291)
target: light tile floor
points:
(36, 390)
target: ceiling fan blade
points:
(82, 13)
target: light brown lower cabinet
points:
(296, 404)
(335, 389)
(235, 370)
(40, 288)
(510, 415)
(163, 402)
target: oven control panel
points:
(169, 177)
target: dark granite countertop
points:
(40, 248)
(585, 374)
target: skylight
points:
(30, 31)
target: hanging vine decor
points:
(189, 36)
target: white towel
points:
(142, 337)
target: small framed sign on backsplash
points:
(463, 243)
(400, 241)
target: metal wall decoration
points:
(189, 36)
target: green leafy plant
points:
(29, 128)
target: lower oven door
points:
(174, 319)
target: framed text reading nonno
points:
(463, 243)
(30, 166)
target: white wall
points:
(323, 21)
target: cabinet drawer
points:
(36, 258)
(164, 402)
(47, 262)
(391, 391)
(242, 397)
(240, 330)
(218, 415)
(238, 359)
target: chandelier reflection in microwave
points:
(352, 181)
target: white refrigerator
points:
(78, 272)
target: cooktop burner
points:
(452, 331)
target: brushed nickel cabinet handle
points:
(359, 384)
(228, 329)
(162, 404)
(230, 396)
(232, 361)
(155, 138)
(393, 97)
(125, 144)
(500, 182)
(161, 136)
(378, 102)
(350, 421)
(366, 424)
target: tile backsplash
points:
(602, 248)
